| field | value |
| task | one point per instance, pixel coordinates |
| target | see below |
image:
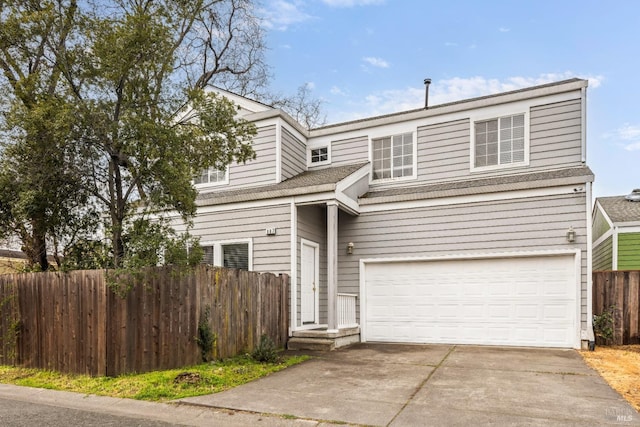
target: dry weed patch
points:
(620, 367)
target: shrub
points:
(266, 351)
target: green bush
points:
(266, 351)
(604, 324)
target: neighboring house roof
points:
(526, 181)
(9, 253)
(308, 182)
(620, 209)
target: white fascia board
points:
(602, 238)
(353, 178)
(604, 214)
(628, 229)
(245, 103)
(474, 198)
(457, 111)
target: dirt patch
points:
(620, 367)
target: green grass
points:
(154, 386)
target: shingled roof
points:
(308, 182)
(525, 181)
(620, 209)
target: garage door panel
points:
(523, 301)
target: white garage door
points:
(509, 301)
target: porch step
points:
(323, 340)
(315, 344)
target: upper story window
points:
(393, 156)
(319, 155)
(500, 142)
(212, 176)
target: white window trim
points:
(217, 250)
(414, 140)
(497, 114)
(326, 162)
(225, 181)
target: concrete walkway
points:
(413, 385)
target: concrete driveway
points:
(413, 385)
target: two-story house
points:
(467, 222)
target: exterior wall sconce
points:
(571, 235)
(350, 246)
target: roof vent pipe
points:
(634, 196)
(427, 82)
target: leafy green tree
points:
(147, 128)
(41, 192)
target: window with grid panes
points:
(500, 141)
(319, 155)
(393, 156)
(210, 176)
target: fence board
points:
(620, 290)
(73, 322)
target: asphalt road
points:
(15, 413)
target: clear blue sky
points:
(369, 57)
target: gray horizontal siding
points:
(603, 255)
(312, 225)
(502, 226)
(260, 171)
(294, 155)
(556, 134)
(270, 253)
(352, 150)
(444, 149)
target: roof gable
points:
(619, 209)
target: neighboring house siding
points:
(294, 155)
(260, 171)
(352, 150)
(629, 251)
(270, 253)
(556, 134)
(538, 223)
(602, 255)
(312, 225)
(600, 225)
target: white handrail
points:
(347, 310)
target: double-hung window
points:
(211, 176)
(393, 156)
(231, 254)
(500, 141)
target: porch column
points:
(332, 265)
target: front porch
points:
(325, 339)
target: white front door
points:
(309, 282)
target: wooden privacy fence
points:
(73, 322)
(620, 290)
